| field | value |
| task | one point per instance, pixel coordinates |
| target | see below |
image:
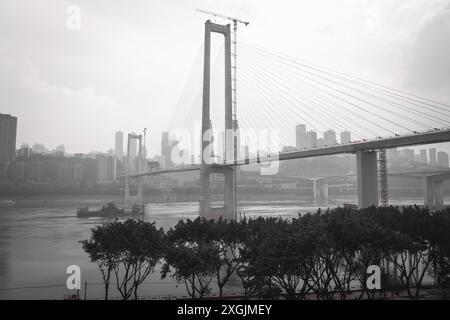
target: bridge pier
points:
(227, 211)
(367, 178)
(438, 194)
(315, 191)
(130, 200)
(324, 191)
(320, 191)
(432, 189)
(127, 198)
(140, 190)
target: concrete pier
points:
(367, 178)
(433, 195)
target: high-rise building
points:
(393, 154)
(166, 149)
(329, 138)
(118, 150)
(106, 168)
(8, 130)
(300, 136)
(39, 148)
(4, 170)
(24, 150)
(60, 150)
(185, 156)
(133, 148)
(423, 156)
(346, 137)
(442, 159)
(433, 159)
(320, 142)
(407, 153)
(311, 139)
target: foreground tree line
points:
(319, 256)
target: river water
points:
(39, 239)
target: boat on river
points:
(7, 203)
(110, 210)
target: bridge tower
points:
(228, 210)
(138, 198)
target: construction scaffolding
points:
(383, 177)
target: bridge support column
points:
(367, 178)
(320, 191)
(228, 210)
(126, 199)
(438, 194)
(140, 191)
(428, 191)
(432, 189)
(205, 203)
(324, 189)
(138, 198)
(315, 191)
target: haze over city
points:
(127, 69)
(198, 151)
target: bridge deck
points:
(421, 138)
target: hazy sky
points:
(128, 64)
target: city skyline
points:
(91, 88)
(309, 138)
(204, 150)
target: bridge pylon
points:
(138, 199)
(228, 209)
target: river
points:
(39, 239)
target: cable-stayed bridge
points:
(276, 91)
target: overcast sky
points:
(127, 66)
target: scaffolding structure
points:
(383, 177)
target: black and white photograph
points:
(221, 157)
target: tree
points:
(323, 265)
(254, 272)
(275, 255)
(409, 247)
(440, 248)
(100, 248)
(344, 235)
(227, 238)
(192, 259)
(129, 249)
(287, 252)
